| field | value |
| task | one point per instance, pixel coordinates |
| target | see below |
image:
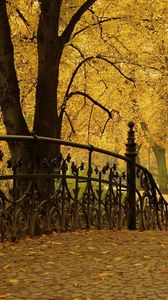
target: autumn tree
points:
(55, 30)
(62, 62)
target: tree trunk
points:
(10, 95)
(9, 90)
(46, 121)
(159, 153)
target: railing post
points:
(131, 177)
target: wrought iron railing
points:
(78, 196)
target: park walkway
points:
(84, 265)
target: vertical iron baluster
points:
(49, 194)
(99, 201)
(89, 189)
(63, 196)
(111, 200)
(131, 177)
(119, 203)
(76, 191)
(32, 210)
(14, 221)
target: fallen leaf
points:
(22, 270)
(163, 246)
(105, 252)
(98, 279)
(165, 271)
(14, 281)
(54, 243)
(104, 274)
(50, 262)
(91, 248)
(6, 267)
(118, 258)
(44, 246)
(3, 296)
(109, 266)
(76, 284)
(31, 253)
(97, 259)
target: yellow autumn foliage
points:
(134, 38)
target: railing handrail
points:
(62, 142)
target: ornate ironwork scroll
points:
(59, 195)
(65, 208)
(151, 207)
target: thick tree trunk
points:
(159, 153)
(9, 89)
(46, 121)
(9, 93)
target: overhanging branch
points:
(95, 24)
(87, 59)
(80, 93)
(71, 125)
(65, 37)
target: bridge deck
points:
(90, 265)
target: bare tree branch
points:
(80, 93)
(105, 124)
(89, 123)
(22, 17)
(77, 49)
(99, 57)
(114, 65)
(65, 37)
(71, 125)
(28, 92)
(80, 109)
(20, 14)
(95, 24)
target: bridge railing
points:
(64, 195)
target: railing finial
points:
(131, 145)
(131, 124)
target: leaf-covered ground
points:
(90, 265)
